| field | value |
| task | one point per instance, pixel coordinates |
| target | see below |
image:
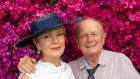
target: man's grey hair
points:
(83, 19)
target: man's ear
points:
(104, 35)
(76, 40)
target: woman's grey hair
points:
(83, 19)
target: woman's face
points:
(51, 42)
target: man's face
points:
(90, 37)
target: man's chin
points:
(92, 50)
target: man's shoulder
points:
(74, 62)
(113, 54)
(110, 55)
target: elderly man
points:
(96, 62)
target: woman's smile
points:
(56, 48)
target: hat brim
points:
(28, 40)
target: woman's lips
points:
(55, 48)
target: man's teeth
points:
(88, 46)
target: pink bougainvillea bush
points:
(120, 18)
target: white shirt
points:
(45, 70)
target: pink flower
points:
(134, 17)
(128, 37)
(138, 67)
(133, 59)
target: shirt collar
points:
(101, 61)
(53, 68)
(81, 63)
(87, 65)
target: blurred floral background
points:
(120, 18)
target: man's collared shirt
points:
(87, 65)
(112, 66)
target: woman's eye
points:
(59, 34)
(46, 36)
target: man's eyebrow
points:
(83, 33)
(95, 32)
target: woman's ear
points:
(36, 44)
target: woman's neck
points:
(56, 61)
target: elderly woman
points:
(49, 38)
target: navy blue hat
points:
(44, 23)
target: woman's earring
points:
(38, 51)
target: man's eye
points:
(82, 36)
(94, 34)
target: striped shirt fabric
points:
(113, 65)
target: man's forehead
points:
(92, 32)
(89, 23)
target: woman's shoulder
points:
(66, 64)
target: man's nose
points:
(89, 38)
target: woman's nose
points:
(55, 39)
